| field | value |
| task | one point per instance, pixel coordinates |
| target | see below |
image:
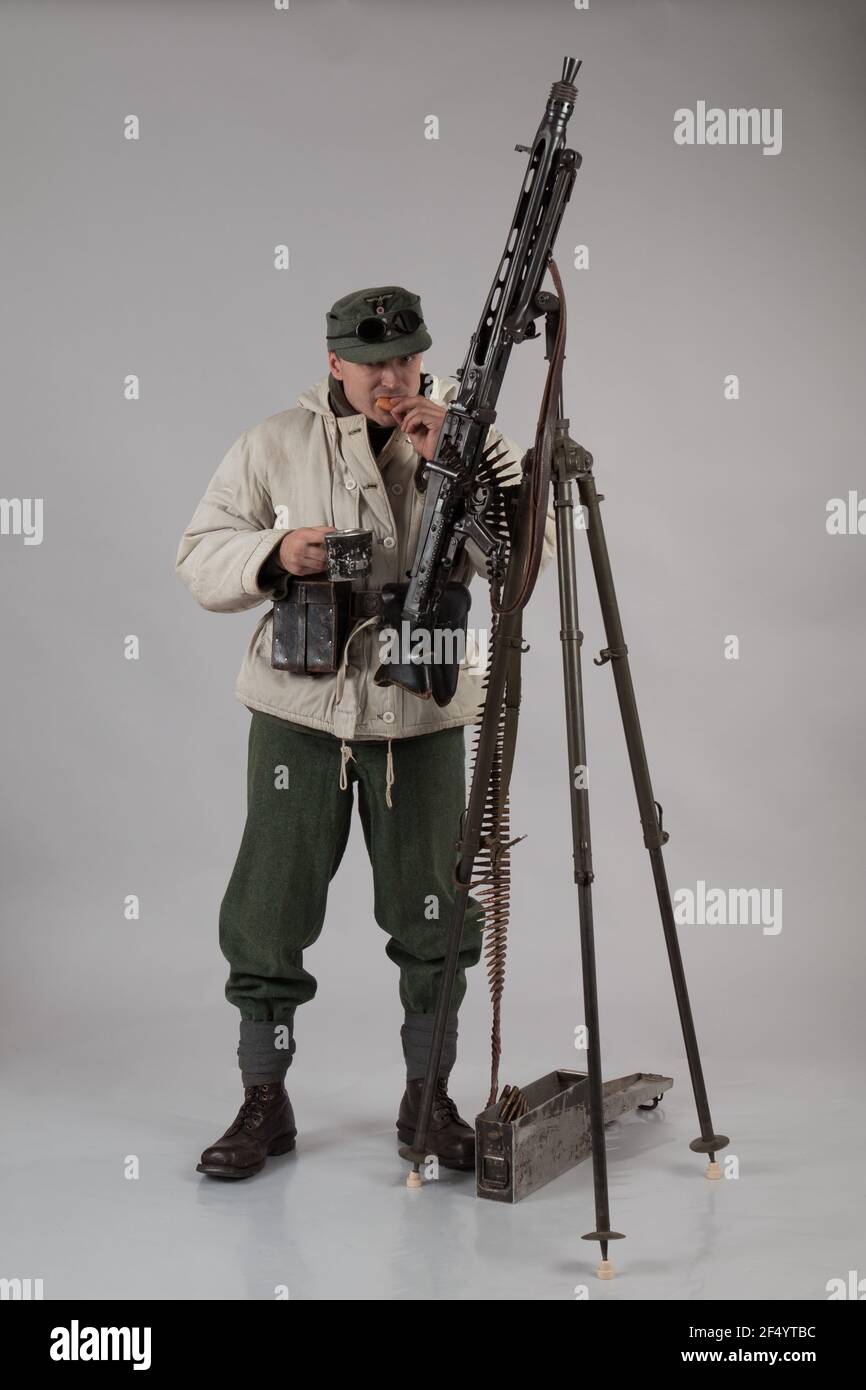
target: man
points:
(337, 460)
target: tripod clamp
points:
(608, 654)
(571, 461)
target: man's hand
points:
(303, 551)
(421, 420)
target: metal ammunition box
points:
(517, 1157)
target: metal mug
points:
(349, 554)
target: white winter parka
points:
(319, 468)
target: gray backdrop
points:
(155, 257)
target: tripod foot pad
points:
(605, 1270)
(713, 1172)
(414, 1180)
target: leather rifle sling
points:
(512, 705)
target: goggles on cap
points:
(378, 327)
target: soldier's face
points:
(364, 381)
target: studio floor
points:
(335, 1221)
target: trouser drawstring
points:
(346, 753)
(345, 750)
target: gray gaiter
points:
(265, 1051)
(417, 1033)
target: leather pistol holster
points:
(435, 674)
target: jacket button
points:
(388, 716)
(351, 484)
(389, 542)
(397, 489)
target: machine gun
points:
(459, 484)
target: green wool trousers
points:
(297, 827)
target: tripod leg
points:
(571, 638)
(654, 837)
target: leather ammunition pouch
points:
(313, 620)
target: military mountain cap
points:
(374, 324)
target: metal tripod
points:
(571, 463)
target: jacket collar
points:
(338, 400)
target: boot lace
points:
(443, 1106)
(252, 1112)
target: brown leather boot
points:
(264, 1125)
(449, 1136)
